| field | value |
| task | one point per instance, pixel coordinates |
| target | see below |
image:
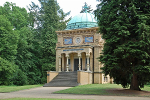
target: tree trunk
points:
(134, 83)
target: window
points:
(105, 79)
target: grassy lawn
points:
(4, 89)
(89, 89)
(101, 89)
(146, 88)
(39, 99)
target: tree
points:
(28, 40)
(49, 23)
(27, 57)
(7, 69)
(8, 40)
(125, 26)
(34, 15)
(50, 19)
(16, 15)
(8, 51)
(18, 42)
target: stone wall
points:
(84, 77)
(51, 75)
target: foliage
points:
(28, 40)
(51, 19)
(125, 28)
(50, 24)
(16, 15)
(6, 71)
(19, 78)
(8, 50)
(8, 38)
(27, 58)
(18, 44)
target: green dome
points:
(82, 20)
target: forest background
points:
(28, 40)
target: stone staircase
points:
(63, 79)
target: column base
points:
(67, 69)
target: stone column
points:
(91, 61)
(63, 62)
(79, 55)
(67, 63)
(83, 60)
(60, 64)
(72, 61)
(88, 64)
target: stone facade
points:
(78, 50)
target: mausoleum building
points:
(77, 50)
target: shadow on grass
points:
(103, 89)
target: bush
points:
(19, 78)
(7, 69)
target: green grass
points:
(5, 89)
(146, 88)
(96, 89)
(39, 99)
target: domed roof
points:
(82, 20)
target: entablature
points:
(92, 30)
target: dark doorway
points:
(76, 64)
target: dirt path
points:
(46, 92)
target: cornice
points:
(78, 31)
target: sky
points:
(75, 6)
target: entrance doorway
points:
(76, 64)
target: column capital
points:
(67, 55)
(87, 54)
(59, 56)
(79, 54)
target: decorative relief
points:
(59, 35)
(68, 41)
(78, 40)
(88, 39)
(58, 44)
(96, 40)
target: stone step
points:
(64, 79)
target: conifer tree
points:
(47, 19)
(125, 26)
(52, 19)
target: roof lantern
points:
(82, 20)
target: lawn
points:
(105, 89)
(4, 89)
(39, 99)
(89, 89)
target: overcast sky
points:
(75, 6)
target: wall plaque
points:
(89, 39)
(73, 49)
(68, 41)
